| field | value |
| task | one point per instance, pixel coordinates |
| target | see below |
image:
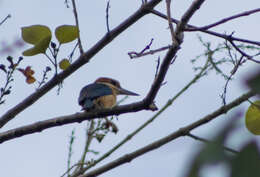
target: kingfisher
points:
(101, 94)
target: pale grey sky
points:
(45, 154)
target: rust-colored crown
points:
(108, 80)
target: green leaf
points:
(40, 47)
(64, 64)
(35, 33)
(253, 118)
(66, 33)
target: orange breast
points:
(107, 101)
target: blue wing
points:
(91, 92)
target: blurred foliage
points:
(244, 163)
(223, 53)
(254, 82)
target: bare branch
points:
(234, 70)
(242, 52)
(190, 28)
(107, 15)
(177, 134)
(168, 8)
(2, 22)
(77, 24)
(157, 66)
(207, 141)
(150, 52)
(246, 13)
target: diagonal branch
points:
(83, 59)
(191, 28)
(177, 134)
(2, 22)
(224, 20)
(243, 53)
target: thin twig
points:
(72, 52)
(190, 28)
(234, 70)
(157, 66)
(89, 138)
(168, 7)
(107, 15)
(150, 52)
(246, 13)
(2, 22)
(44, 77)
(77, 24)
(72, 138)
(242, 52)
(207, 141)
(138, 54)
(49, 58)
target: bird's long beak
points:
(126, 92)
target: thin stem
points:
(49, 58)
(89, 138)
(246, 13)
(207, 141)
(190, 28)
(77, 24)
(107, 15)
(168, 7)
(2, 22)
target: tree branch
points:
(77, 24)
(207, 141)
(2, 22)
(168, 8)
(83, 59)
(191, 28)
(246, 13)
(243, 53)
(177, 134)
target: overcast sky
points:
(45, 154)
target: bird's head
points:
(115, 86)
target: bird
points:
(101, 94)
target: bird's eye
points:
(114, 83)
